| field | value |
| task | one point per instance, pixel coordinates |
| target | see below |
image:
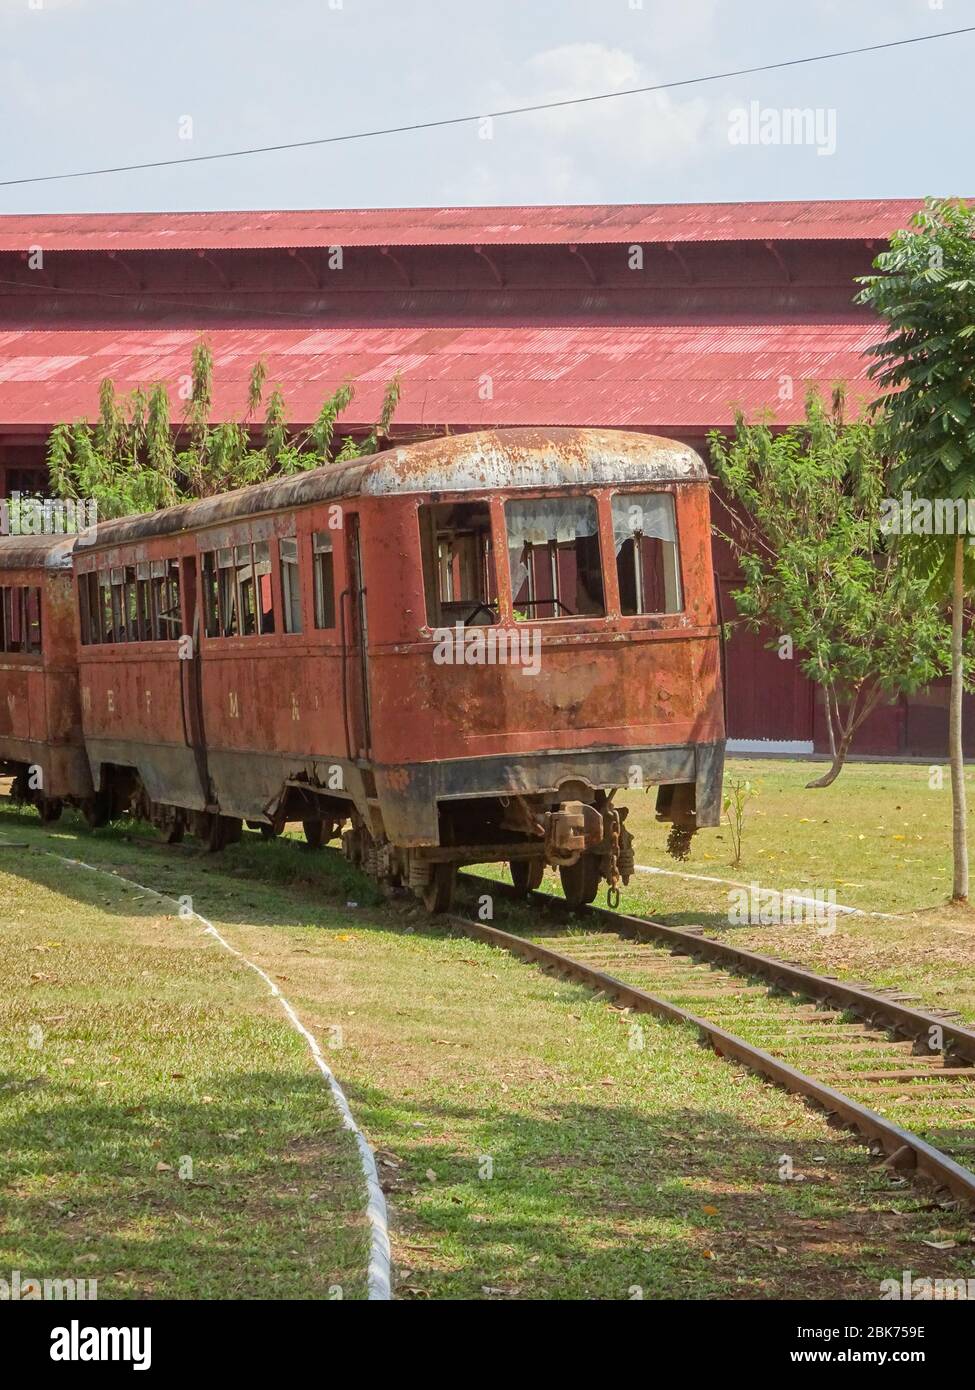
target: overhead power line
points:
(486, 115)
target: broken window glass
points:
(246, 592)
(211, 601)
(458, 564)
(262, 580)
(227, 592)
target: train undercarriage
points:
(410, 833)
(582, 833)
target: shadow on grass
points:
(288, 863)
(273, 1207)
(588, 1202)
(262, 865)
(583, 1202)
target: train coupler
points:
(571, 830)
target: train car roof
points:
(482, 461)
(36, 552)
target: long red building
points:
(657, 318)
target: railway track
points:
(869, 1051)
(902, 1077)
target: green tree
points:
(836, 593)
(132, 460)
(925, 290)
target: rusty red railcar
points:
(41, 745)
(460, 650)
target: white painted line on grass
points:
(786, 897)
(379, 1258)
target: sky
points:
(87, 83)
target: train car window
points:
(12, 620)
(11, 642)
(15, 625)
(90, 607)
(262, 581)
(117, 577)
(116, 580)
(33, 625)
(105, 605)
(321, 543)
(246, 594)
(290, 584)
(95, 607)
(20, 619)
(164, 608)
(143, 601)
(211, 598)
(130, 600)
(459, 578)
(647, 555)
(84, 611)
(172, 615)
(553, 553)
(227, 592)
(157, 598)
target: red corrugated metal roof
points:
(870, 219)
(669, 377)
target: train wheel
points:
(169, 821)
(49, 809)
(233, 829)
(20, 789)
(438, 892)
(97, 810)
(173, 835)
(315, 835)
(217, 831)
(580, 881)
(527, 874)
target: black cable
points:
(486, 115)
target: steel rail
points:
(873, 1006)
(904, 1150)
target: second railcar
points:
(41, 744)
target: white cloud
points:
(564, 154)
(575, 68)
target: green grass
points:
(612, 1167)
(163, 1129)
(880, 837)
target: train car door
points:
(357, 644)
(191, 674)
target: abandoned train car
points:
(41, 745)
(461, 649)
